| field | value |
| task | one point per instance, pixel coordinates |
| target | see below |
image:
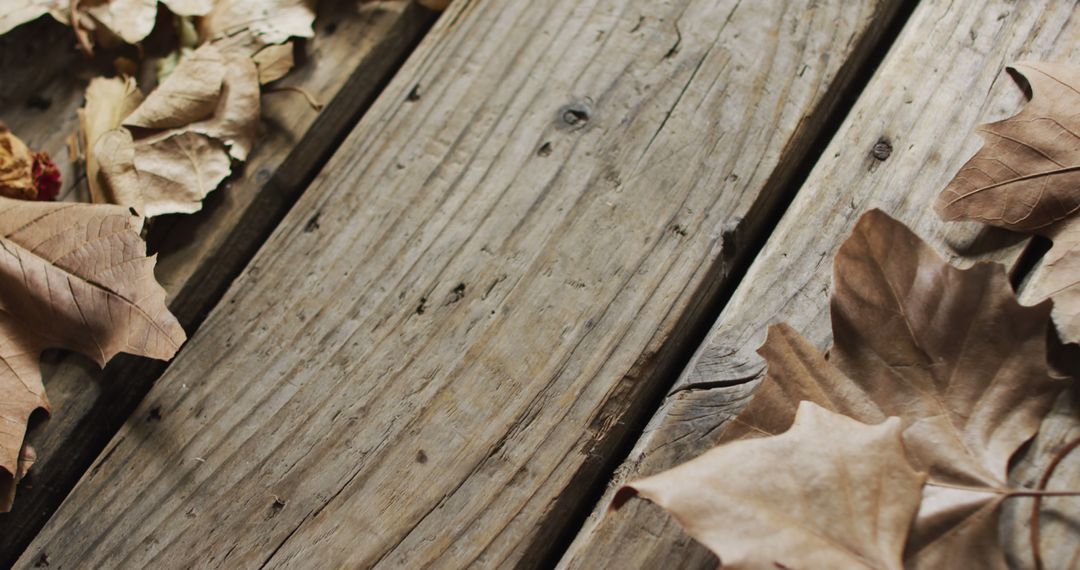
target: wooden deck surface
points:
(538, 266)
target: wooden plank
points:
(943, 76)
(435, 355)
(355, 50)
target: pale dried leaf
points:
(17, 12)
(72, 276)
(1025, 178)
(108, 103)
(190, 93)
(163, 176)
(830, 492)
(130, 20)
(235, 119)
(274, 62)
(189, 7)
(266, 21)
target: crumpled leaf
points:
(130, 20)
(921, 340)
(248, 25)
(108, 103)
(1025, 178)
(178, 145)
(830, 492)
(72, 276)
(189, 94)
(25, 174)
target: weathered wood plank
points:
(435, 355)
(357, 47)
(942, 77)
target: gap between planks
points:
(943, 76)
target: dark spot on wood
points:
(133, 211)
(330, 28)
(312, 224)
(262, 176)
(42, 561)
(678, 230)
(544, 150)
(882, 150)
(422, 306)
(278, 503)
(456, 294)
(421, 457)
(400, 166)
(154, 415)
(733, 177)
(574, 116)
(414, 94)
(38, 102)
(637, 26)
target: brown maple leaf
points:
(830, 492)
(1026, 178)
(918, 339)
(72, 276)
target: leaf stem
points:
(315, 104)
(1037, 504)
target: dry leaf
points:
(807, 498)
(130, 20)
(183, 137)
(190, 93)
(259, 22)
(17, 12)
(108, 103)
(163, 176)
(234, 119)
(24, 174)
(274, 62)
(72, 276)
(1025, 178)
(921, 340)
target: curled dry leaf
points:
(129, 20)
(848, 501)
(178, 145)
(73, 276)
(1025, 178)
(24, 174)
(918, 339)
(189, 94)
(108, 103)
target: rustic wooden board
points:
(942, 77)
(435, 355)
(356, 49)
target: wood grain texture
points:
(943, 76)
(435, 355)
(356, 48)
